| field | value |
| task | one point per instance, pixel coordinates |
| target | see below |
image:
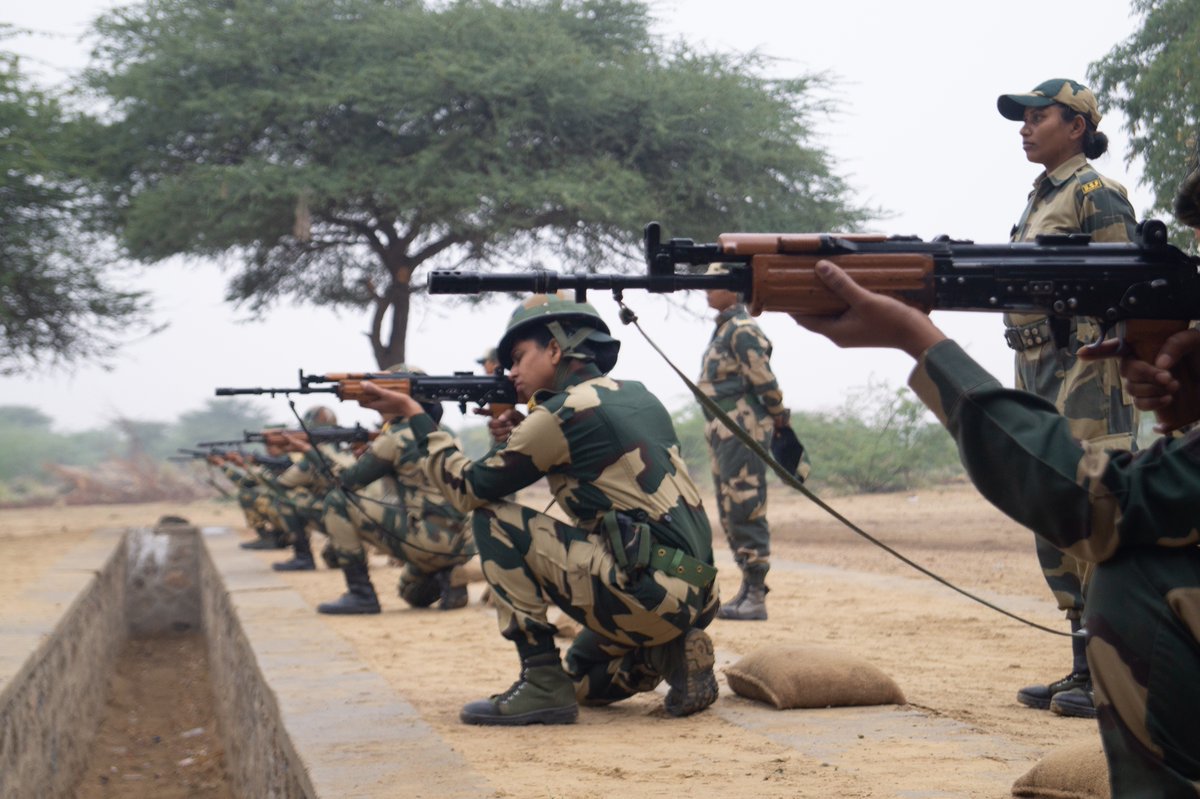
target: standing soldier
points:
(1058, 131)
(633, 566)
(736, 375)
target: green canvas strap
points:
(677, 563)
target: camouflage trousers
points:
(425, 543)
(297, 508)
(1089, 395)
(740, 482)
(533, 561)
(1143, 622)
(256, 505)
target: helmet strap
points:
(568, 343)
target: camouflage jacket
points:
(309, 472)
(602, 445)
(248, 476)
(396, 454)
(1073, 198)
(1021, 455)
(737, 364)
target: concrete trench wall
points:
(299, 714)
(55, 666)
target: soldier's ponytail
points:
(1095, 143)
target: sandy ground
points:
(959, 664)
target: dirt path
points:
(960, 665)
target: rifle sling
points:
(629, 317)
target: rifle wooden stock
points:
(789, 283)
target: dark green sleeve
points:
(367, 469)
(1020, 454)
(534, 445)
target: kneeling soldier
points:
(634, 567)
(386, 499)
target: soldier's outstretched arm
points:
(1018, 450)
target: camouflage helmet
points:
(1073, 95)
(490, 355)
(570, 323)
(319, 416)
(406, 368)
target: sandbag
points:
(1072, 772)
(810, 676)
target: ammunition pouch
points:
(629, 538)
(634, 549)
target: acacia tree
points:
(1151, 78)
(56, 304)
(331, 148)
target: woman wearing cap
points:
(635, 565)
(1058, 131)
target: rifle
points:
(494, 391)
(270, 461)
(315, 435)
(1057, 275)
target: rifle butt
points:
(498, 409)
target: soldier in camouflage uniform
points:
(299, 491)
(633, 566)
(254, 498)
(1059, 132)
(1133, 516)
(736, 375)
(490, 361)
(386, 500)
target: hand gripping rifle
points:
(1059, 275)
(496, 392)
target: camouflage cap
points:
(490, 355)
(1073, 95)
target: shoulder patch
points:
(1091, 186)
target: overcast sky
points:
(917, 133)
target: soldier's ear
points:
(554, 351)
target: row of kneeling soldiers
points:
(634, 566)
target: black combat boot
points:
(687, 665)
(418, 589)
(452, 587)
(543, 694)
(360, 596)
(1072, 695)
(302, 556)
(268, 538)
(750, 602)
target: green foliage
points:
(333, 148)
(55, 303)
(1150, 77)
(27, 441)
(879, 440)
